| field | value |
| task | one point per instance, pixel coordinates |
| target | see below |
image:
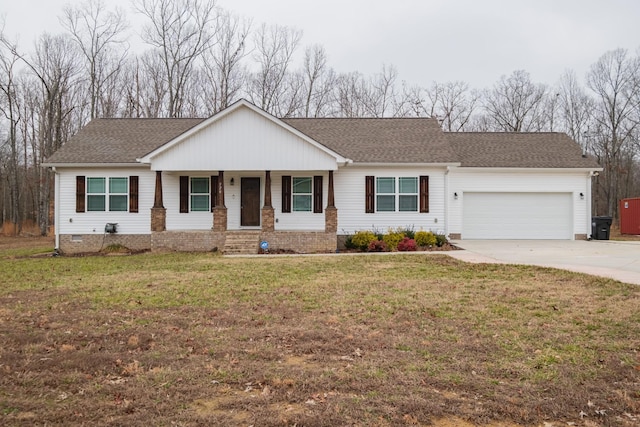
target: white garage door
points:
(517, 216)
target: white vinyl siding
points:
(465, 181)
(350, 200)
(93, 222)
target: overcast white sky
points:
(476, 41)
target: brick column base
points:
(158, 219)
(219, 219)
(268, 219)
(331, 220)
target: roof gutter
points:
(94, 165)
(406, 164)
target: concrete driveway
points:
(618, 260)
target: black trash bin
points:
(600, 227)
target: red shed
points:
(630, 216)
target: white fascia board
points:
(524, 170)
(239, 104)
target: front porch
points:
(250, 219)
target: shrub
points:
(348, 242)
(377, 246)
(441, 240)
(408, 232)
(392, 238)
(362, 239)
(407, 244)
(425, 238)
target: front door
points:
(250, 202)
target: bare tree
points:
(453, 103)
(224, 74)
(318, 82)
(269, 88)
(615, 81)
(351, 94)
(99, 35)
(54, 67)
(515, 103)
(11, 111)
(180, 31)
(575, 109)
(381, 99)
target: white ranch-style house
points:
(243, 176)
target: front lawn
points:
(199, 339)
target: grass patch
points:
(200, 339)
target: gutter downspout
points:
(589, 208)
(446, 202)
(56, 208)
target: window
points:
(96, 190)
(199, 194)
(401, 194)
(385, 194)
(118, 194)
(302, 194)
(101, 194)
(408, 194)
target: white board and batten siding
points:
(519, 205)
(349, 186)
(71, 222)
(243, 141)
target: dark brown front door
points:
(250, 202)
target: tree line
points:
(199, 58)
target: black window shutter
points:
(424, 194)
(286, 193)
(133, 194)
(214, 191)
(317, 194)
(80, 193)
(370, 194)
(184, 194)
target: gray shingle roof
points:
(365, 140)
(120, 140)
(369, 140)
(518, 150)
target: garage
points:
(517, 216)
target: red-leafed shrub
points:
(407, 244)
(377, 246)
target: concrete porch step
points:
(242, 242)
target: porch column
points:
(158, 211)
(220, 210)
(268, 214)
(331, 212)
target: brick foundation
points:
(455, 236)
(81, 243)
(188, 241)
(301, 241)
(199, 241)
(580, 237)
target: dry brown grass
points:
(198, 339)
